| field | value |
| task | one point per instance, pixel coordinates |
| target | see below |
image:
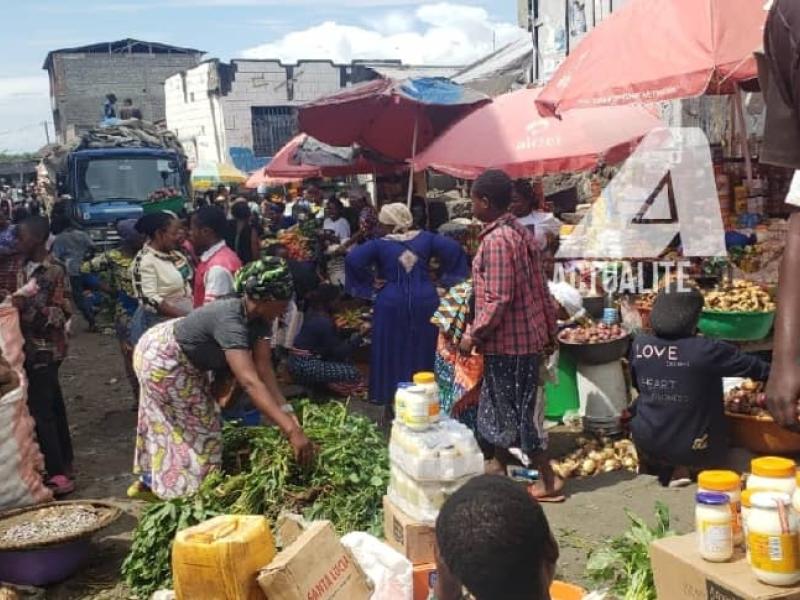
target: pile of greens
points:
(623, 563)
(345, 485)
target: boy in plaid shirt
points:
(515, 323)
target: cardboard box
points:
(424, 580)
(681, 574)
(409, 537)
(316, 566)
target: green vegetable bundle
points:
(345, 485)
(623, 563)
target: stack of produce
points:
(593, 334)
(747, 399)
(297, 244)
(429, 466)
(597, 455)
(259, 477)
(740, 296)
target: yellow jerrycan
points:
(220, 558)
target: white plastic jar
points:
(796, 496)
(400, 400)
(714, 524)
(746, 506)
(416, 411)
(773, 473)
(729, 483)
(427, 381)
(772, 539)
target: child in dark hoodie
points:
(678, 421)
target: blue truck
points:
(102, 186)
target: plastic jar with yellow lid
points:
(796, 495)
(773, 473)
(746, 506)
(729, 483)
(772, 539)
(426, 381)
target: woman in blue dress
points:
(395, 272)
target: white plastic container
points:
(420, 500)
(729, 483)
(445, 452)
(416, 407)
(796, 496)
(714, 524)
(400, 400)
(746, 506)
(773, 473)
(772, 539)
(427, 381)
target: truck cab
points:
(108, 185)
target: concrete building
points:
(558, 25)
(81, 77)
(244, 111)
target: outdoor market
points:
(445, 344)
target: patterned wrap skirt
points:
(179, 431)
(510, 413)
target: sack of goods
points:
(430, 457)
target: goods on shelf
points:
(598, 455)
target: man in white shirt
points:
(334, 221)
(544, 225)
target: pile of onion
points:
(597, 455)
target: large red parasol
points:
(392, 118)
(509, 134)
(653, 50)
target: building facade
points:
(80, 79)
(244, 111)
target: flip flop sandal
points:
(549, 499)
(60, 485)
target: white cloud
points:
(24, 104)
(443, 34)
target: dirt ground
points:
(103, 425)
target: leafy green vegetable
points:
(623, 563)
(345, 485)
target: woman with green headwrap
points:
(179, 431)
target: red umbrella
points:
(285, 164)
(509, 134)
(653, 50)
(392, 118)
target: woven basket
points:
(107, 513)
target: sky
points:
(416, 31)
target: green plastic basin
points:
(736, 326)
(563, 396)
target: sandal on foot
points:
(60, 485)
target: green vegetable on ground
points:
(345, 485)
(623, 563)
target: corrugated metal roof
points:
(398, 71)
(501, 71)
(121, 46)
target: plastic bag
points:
(391, 573)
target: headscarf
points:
(397, 215)
(268, 278)
(127, 231)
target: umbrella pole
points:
(739, 100)
(411, 166)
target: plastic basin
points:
(175, 205)
(43, 566)
(736, 326)
(562, 396)
(597, 354)
(566, 591)
(762, 435)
